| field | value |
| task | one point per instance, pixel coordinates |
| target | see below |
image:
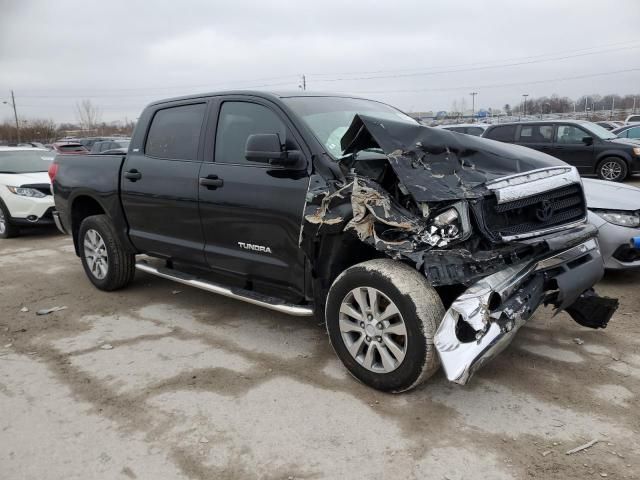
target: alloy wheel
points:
(95, 253)
(373, 330)
(610, 170)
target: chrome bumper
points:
(498, 305)
(58, 222)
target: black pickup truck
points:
(417, 246)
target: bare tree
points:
(88, 114)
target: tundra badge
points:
(255, 248)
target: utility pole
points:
(613, 106)
(634, 105)
(525, 95)
(473, 106)
(303, 85)
(15, 114)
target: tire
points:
(7, 229)
(113, 267)
(613, 169)
(419, 309)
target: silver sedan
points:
(614, 208)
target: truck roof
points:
(269, 94)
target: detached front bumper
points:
(483, 320)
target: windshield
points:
(330, 117)
(599, 131)
(25, 161)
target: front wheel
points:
(7, 229)
(613, 169)
(382, 316)
(106, 262)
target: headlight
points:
(636, 151)
(622, 218)
(26, 192)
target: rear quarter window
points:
(502, 133)
(174, 133)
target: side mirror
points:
(587, 140)
(266, 148)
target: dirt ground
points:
(163, 381)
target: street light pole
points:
(473, 106)
(525, 95)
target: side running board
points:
(237, 293)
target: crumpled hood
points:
(439, 165)
(19, 179)
(605, 195)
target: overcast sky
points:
(415, 54)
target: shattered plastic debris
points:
(24, 309)
(106, 346)
(47, 311)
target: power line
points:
(482, 63)
(83, 95)
(395, 74)
(486, 67)
(515, 84)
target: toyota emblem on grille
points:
(545, 211)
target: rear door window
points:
(570, 134)
(536, 134)
(175, 132)
(502, 133)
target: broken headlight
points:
(449, 225)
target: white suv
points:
(632, 119)
(25, 189)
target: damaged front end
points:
(502, 226)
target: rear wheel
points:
(106, 262)
(7, 229)
(382, 317)
(613, 169)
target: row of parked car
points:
(95, 145)
(593, 149)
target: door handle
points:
(133, 175)
(211, 182)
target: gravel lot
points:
(163, 381)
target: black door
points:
(251, 212)
(160, 186)
(570, 147)
(536, 136)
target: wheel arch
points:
(83, 206)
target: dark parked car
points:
(476, 129)
(417, 246)
(628, 131)
(585, 145)
(103, 146)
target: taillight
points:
(53, 170)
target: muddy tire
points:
(613, 169)
(105, 260)
(382, 316)
(7, 229)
